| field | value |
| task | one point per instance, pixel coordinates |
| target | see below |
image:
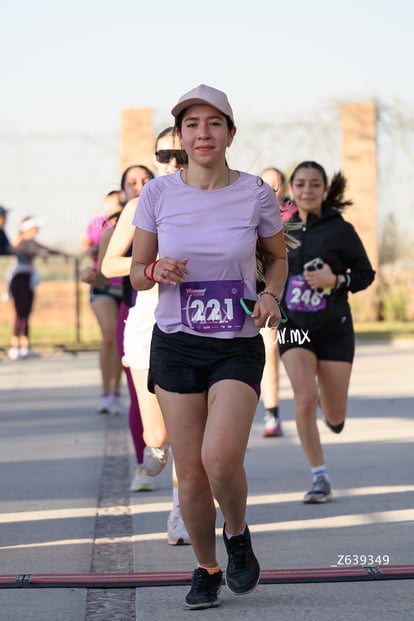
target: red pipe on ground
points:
(182, 578)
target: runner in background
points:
(132, 181)
(270, 382)
(5, 247)
(168, 158)
(105, 300)
(23, 281)
(330, 262)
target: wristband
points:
(272, 294)
(342, 281)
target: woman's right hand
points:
(169, 271)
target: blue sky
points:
(68, 68)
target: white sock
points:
(318, 471)
(176, 500)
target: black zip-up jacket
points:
(334, 240)
(5, 247)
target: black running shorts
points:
(333, 341)
(184, 363)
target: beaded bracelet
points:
(272, 294)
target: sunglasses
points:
(166, 155)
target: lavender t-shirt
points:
(216, 230)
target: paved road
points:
(65, 506)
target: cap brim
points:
(182, 105)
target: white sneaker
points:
(141, 482)
(273, 427)
(13, 353)
(177, 532)
(105, 404)
(117, 407)
(27, 352)
(155, 459)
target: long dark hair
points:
(335, 196)
(263, 258)
(146, 170)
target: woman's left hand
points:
(266, 313)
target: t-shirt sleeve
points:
(270, 219)
(144, 217)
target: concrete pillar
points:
(136, 137)
(360, 168)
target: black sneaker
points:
(243, 569)
(204, 589)
(334, 428)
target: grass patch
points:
(384, 330)
(88, 338)
(60, 337)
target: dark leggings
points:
(23, 296)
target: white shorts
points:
(138, 330)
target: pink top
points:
(94, 231)
(287, 209)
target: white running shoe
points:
(27, 352)
(13, 353)
(273, 427)
(141, 481)
(177, 532)
(117, 407)
(155, 459)
(105, 404)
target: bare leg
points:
(185, 417)
(270, 380)
(224, 447)
(270, 386)
(155, 432)
(106, 311)
(301, 367)
(334, 378)
(209, 452)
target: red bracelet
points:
(150, 277)
(272, 294)
(152, 271)
(145, 271)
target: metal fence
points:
(61, 316)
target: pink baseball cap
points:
(203, 94)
